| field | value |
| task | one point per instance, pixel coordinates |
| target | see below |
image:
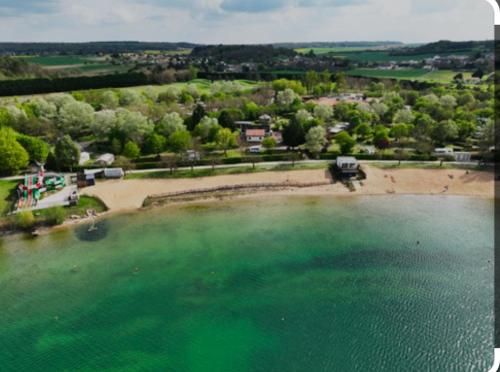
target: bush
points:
(25, 220)
(55, 216)
(231, 160)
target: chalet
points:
(265, 119)
(84, 157)
(337, 128)
(255, 135)
(113, 173)
(106, 159)
(347, 165)
(462, 157)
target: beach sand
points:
(126, 195)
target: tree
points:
(295, 85)
(323, 112)
(286, 97)
(67, 153)
(381, 137)
(37, 149)
(154, 144)
(303, 116)
(479, 73)
(13, 157)
(311, 78)
(315, 139)
(116, 146)
(345, 141)
(404, 116)
(104, 123)
(225, 139)
(170, 123)
(198, 114)
(133, 125)
(445, 131)
(109, 100)
(207, 129)
(171, 94)
(448, 101)
(399, 131)
(269, 143)
(130, 97)
(75, 117)
(228, 117)
(251, 110)
(131, 150)
(293, 134)
(43, 109)
(179, 141)
(363, 130)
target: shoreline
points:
(130, 196)
(121, 195)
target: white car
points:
(254, 149)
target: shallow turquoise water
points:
(285, 284)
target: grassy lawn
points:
(196, 173)
(435, 165)
(6, 190)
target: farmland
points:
(440, 76)
(85, 65)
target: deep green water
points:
(315, 284)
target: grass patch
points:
(208, 172)
(435, 165)
(440, 76)
(48, 216)
(7, 189)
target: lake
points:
(388, 283)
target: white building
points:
(463, 157)
(255, 135)
(106, 159)
(84, 157)
(347, 165)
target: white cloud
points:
(207, 21)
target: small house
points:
(347, 165)
(113, 173)
(255, 135)
(462, 157)
(106, 159)
(265, 119)
(84, 157)
(192, 155)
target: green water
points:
(319, 284)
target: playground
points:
(44, 190)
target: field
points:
(203, 86)
(319, 51)
(440, 76)
(86, 65)
(360, 54)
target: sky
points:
(245, 21)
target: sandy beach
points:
(127, 195)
